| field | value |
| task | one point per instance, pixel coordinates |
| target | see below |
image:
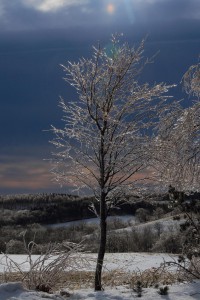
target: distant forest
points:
(55, 208)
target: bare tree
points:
(104, 143)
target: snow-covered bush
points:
(45, 271)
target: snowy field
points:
(121, 261)
(128, 262)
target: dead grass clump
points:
(154, 276)
(115, 278)
(76, 280)
(70, 279)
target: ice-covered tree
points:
(177, 146)
(191, 80)
(104, 142)
(177, 163)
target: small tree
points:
(105, 140)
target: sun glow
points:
(110, 8)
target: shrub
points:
(46, 270)
(138, 288)
(177, 218)
(14, 246)
(2, 245)
(142, 214)
(163, 290)
(116, 223)
(158, 228)
(135, 241)
(153, 277)
(168, 243)
(158, 212)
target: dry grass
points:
(152, 277)
(72, 280)
(84, 279)
(76, 279)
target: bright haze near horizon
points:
(36, 36)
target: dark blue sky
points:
(36, 36)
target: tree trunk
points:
(102, 245)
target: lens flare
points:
(110, 8)
(129, 10)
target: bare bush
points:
(15, 246)
(158, 213)
(168, 243)
(116, 223)
(44, 271)
(155, 276)
(142, 215)
(134, 241)
(158, 228)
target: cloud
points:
(52, 5)
(48, 14)
(24, 173)
(26, 15)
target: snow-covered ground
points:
(15, 291)
(176, 292)
(127, 262)
(165, 224)
(187, 291)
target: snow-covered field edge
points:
(129, 263)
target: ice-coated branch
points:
(176, 151)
